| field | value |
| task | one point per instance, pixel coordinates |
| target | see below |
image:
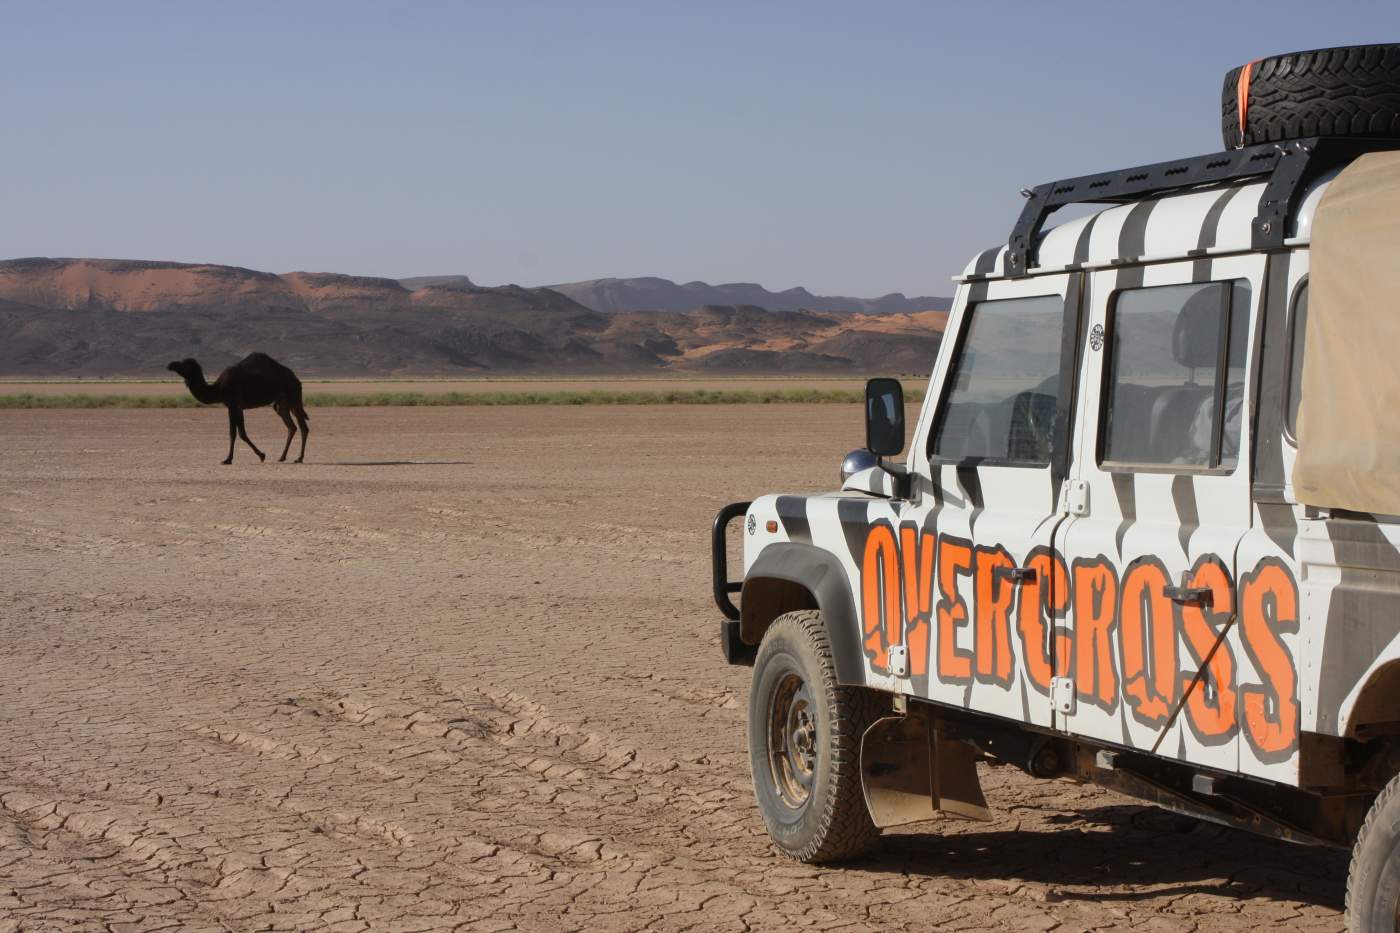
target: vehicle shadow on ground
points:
(1148, 851)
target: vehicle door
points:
(1293, 568)
(990, 452)
(1160, 491)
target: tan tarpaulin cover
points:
(1349, 417)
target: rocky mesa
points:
(103, 317)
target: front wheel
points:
(804, 744)
(1373, 884)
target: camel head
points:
(186, 368)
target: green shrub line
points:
(428, 399)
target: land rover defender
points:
(1147, 530)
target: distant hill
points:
(143, 285)
(101, 317)
(451, 281)
(656, 294)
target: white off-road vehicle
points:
(1147, 532)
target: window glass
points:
(1168, 400)
(1295, 364)
(1005, 383)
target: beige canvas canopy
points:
(1349, 416)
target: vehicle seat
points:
(1196, 334)
(1181, 416)
(1176, 412)
(1130, 424)
(1029, 435)
(965, 432)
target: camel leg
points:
(232, 435)
(301, 422)
(243, 433)
(291, 431)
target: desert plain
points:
(460, 670)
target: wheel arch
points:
(1377, 706)
(788, 576)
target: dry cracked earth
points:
(461, 672)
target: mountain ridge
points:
(98, 317)
(653, 293)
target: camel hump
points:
(262, 363)
(260, 359)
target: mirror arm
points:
(903, 479)
(904, 487)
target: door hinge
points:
(1074, 497)
(899, 660)
(1062, 692)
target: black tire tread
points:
(1345, 91)
(1373, 817)
(846, 830)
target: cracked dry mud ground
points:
(482, 692)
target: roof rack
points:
(1290, 166)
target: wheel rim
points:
(792, 740)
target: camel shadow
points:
(378, 463)
(1145, 853)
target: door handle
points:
(1015, 574)
(1190, 595)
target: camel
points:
(252, 382)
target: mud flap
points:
(910, 773)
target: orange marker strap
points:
(1242, 94)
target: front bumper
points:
(734, 648)
(735, 651)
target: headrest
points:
(1196, 336)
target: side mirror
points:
(884, 417)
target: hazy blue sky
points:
(854, 148)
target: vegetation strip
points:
(376, 399)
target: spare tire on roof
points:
(1347, 91)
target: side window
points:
(1004, 384)
(1175, 376)
(1298, 333)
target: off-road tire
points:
(833, 822)
(1346, 91)
(1373, 884)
